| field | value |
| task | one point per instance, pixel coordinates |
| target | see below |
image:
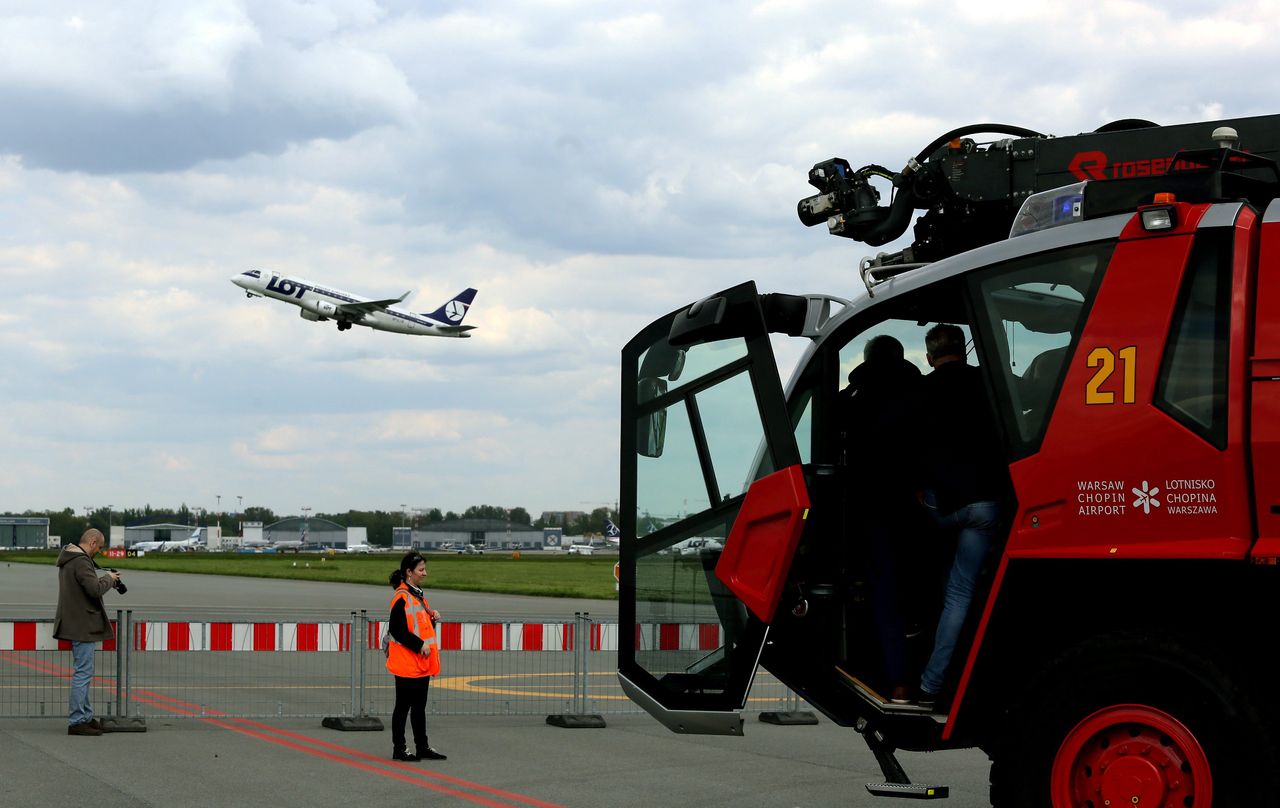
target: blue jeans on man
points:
(82, 653)
(976, 526)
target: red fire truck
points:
(1119, 291)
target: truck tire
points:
(1131, 720)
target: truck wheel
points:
(1133, 721)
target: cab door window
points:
(1032, 311)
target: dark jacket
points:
(81, 617)
(878, 417)
(964, 456)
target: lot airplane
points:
(320, 303)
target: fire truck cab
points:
(1127, 330)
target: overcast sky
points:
(588, 166)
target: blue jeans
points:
(976, 526)
(82, 653)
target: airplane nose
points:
(238, 280)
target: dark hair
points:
(945, 339)
(407, 563)
(883, 348)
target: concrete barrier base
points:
(353, 723)
(578, 721)
(119, 724)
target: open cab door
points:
(703, 560)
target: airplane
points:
(322, 303)
(183, 545)
(612, 535)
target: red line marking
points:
(193, 710)
(402, 772)
(355, 753)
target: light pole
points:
(306, 514)
(239, 511)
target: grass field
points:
(562, 576)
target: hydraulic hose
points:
(904, 201)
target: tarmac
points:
(493, 760)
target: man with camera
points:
(82, 619)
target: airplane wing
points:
(455, 329)
(368, 306)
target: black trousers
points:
(411, 702)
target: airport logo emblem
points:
(1146, 497)
(455, 310)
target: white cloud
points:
(587, 167)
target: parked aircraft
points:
(358, 548)
(322, 303)
(180, 546)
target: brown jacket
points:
(81, 617)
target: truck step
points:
(908, 791)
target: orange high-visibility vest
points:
(400, 660)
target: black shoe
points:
(84, 728)
(431, 754)
(400, 754)
(926, 699)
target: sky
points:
(587, 166)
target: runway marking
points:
(474, 684)
(382, 767)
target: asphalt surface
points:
(493, 761)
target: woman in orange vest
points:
(413, 657)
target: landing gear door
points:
(703, 417)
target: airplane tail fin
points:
(611, 530)
(453, 311)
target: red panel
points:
(344, 637)
(308, 637)
(450, 636)
(531, 637)
(264, 636)
(139, 636)
(757, 554)
(220, 637)
(1125, 480)
(566, 641)
(108, 644)
(491, 636)
(669, 637)
(24, 636)
(64, 645)
(179, 636)
(1266, 338)
(708, 636)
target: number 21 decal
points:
(1104, 359)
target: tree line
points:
(70, 524)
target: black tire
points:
(1171, 701)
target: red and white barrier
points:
(214, 636)
(186, 636)
(31, 635)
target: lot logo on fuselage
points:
(285, 287)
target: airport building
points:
(491, 534)
(24, 532)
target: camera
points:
(119, 584)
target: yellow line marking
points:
(476, 684)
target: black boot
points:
(399, 753)
(427, 753)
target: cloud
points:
(588, 167)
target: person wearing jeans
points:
(966, 481)
(82, 620)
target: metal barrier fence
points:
(257, 665)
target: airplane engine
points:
(308, 314)
(326, 309)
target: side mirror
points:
(651, 429)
